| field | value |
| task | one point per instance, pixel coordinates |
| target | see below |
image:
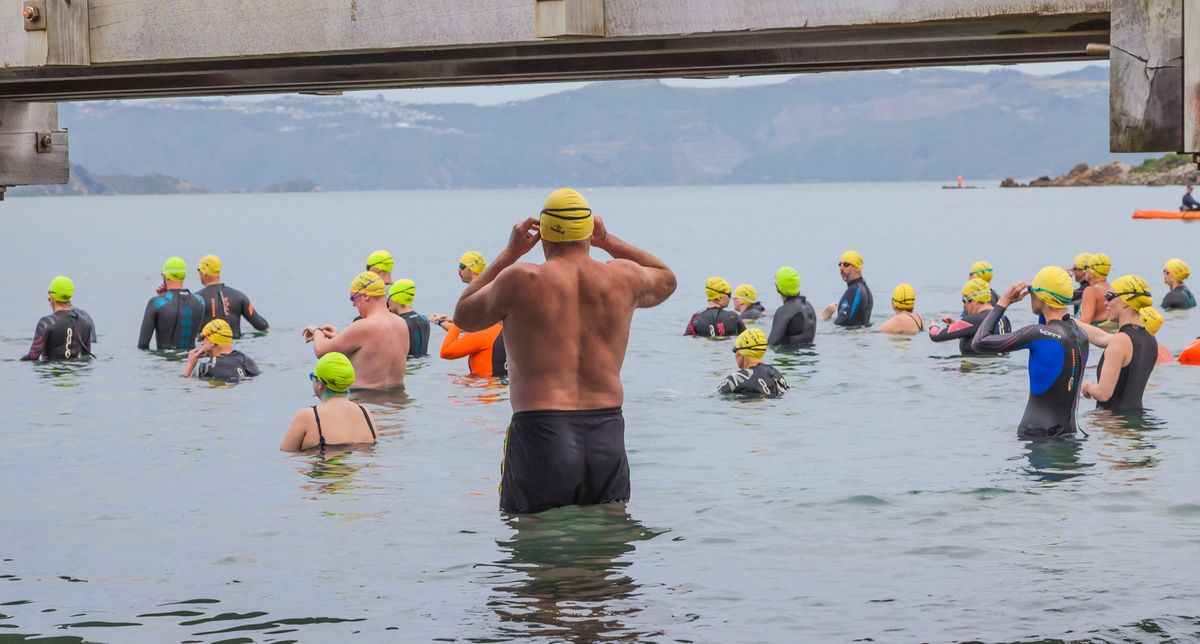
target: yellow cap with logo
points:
(210, 265)
(1151, 318)
(218, 331)
(982, 270)
(472, 260)
(977, 290)
(566, 217)
(369, 284)
(904, 297)
(1178, 269)
(716, 288)
(751, 343)
(746, 293)
(1133, 290)
(1053, 286)
(852, 257)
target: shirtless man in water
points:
(566, 327)
(376, 343)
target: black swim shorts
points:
(556, 458)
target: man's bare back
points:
(377, 345)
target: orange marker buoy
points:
(1166, 214)
(960, 181)
(1191, 355)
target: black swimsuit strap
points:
(319, 432)
(920, 324)
(367, 417)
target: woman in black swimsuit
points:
(336, 420)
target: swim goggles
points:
(844, 264)
(1110, 296)
(751, 347)
(1057, 297)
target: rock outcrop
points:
(1113, 173)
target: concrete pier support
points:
(33, 148)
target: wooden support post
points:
(1146, 76)
(67, 33)
(561, 18)
(33, 149)
(1191, 76)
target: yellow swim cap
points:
(1151, 319)
(1100, 264)
(746, 293)
(852, 257)
(1178, 268)
(1134, 290)
(717, 287)
(751, 343)
(210, 265)
(369, 284)
(403, 292)
(977, 290)
(218, 331)
(566, 217)
(335, 372)
(61, 290)
(1053, 286)
(787, 281)
(472, 260)
(1082, 260)
(175, 268)
(380, 259)
(982, 270)
(904, 297)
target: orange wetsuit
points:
(485, 349)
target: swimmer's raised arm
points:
(1097, 336)
(483, 302)
(1116, 357)
(347, 342)
(658, 280)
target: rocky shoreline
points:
(1113, 173)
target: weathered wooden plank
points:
(1146, 76)
(1191, 76)
(21, 163)
(559, 18)
(67, 33)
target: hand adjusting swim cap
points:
(977, 290)
(852, 257)
(751, 343)
(1082, 260)
(904, 297)
(566, 217)
(1133, 290)
(473, 260)
(787, 281)
(403, 292)
(174, 269)
(335, 372)
(62, 289)
(1178, 268)
(1100, 264)
(218, 331)
(210, 265)
(1151, 319)
(380, 259)
(1053, 286)
(746, 293)
(716, 288)
(982, 270)
(369, 284)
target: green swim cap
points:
(403, 292)
(61, 289)
(335, 372)
(175, 268)
(380, 259)
(787, 281)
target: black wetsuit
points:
(1057, 357)
(231, 305)
(795, 323)
(418, 333)
(1132, 381)
(1189, 202)
(230, 367)
(964, 330)
(63, 335)
(1179, 298)
(715, 322)
(854, 309)
(499, 357)
(760, 380)
(754, 311)
(1077, 297)
(557, 458)
(173, 318)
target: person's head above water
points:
(174, 271)
(1099, 266)
(750, 347)
(976, 295)
(745, 293)
(982, 270)
(401, 294)
(565, 217)
(1127, 295)
(1175, 271)
(333, 375)
(380, 262)
(1079, 267)
(1051, 289)
(209, 269)
(717, 290)
(1151, 319)
(60, 291)
(787, 281)
(904, 297)
(366, 289)
(470, 265)
(850, 265)
(219, 333)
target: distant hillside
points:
(83, 182)
(864, 126)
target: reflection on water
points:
(563, 574)
(333, 471)
(64, 373)
(796, 363)
(1126, 436)
(1053, 460)
(492, 390)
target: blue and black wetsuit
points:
(854, 309)
(1131, 383)
(231, 305)
(229, 367)
(173, 318)
(63, 335)
(754, 311)
(795, 323)
(964, 330)
(418, 333)
(1179, 298)
(760, 380)
(715, 322)
(1058, 353)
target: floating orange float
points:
(1167, 214)
(1191, 355)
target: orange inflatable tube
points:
(1191, 355)
(1166, 214)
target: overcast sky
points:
(494, 94)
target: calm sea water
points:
(885, 497)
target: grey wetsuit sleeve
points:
(779, 324)
(251, 368)
(148, 322)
